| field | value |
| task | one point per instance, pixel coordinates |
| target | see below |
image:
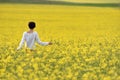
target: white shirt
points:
(30, 39)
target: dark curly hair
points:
(31, 25)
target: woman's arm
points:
(21, 42)
(40, 42)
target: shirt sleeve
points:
(21, 42)
(39, 41)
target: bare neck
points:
(30, 31)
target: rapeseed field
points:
(86, 42)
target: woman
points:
(30, 37)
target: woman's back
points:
(30, 38)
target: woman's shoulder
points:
(35, 32)
(24, 32)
